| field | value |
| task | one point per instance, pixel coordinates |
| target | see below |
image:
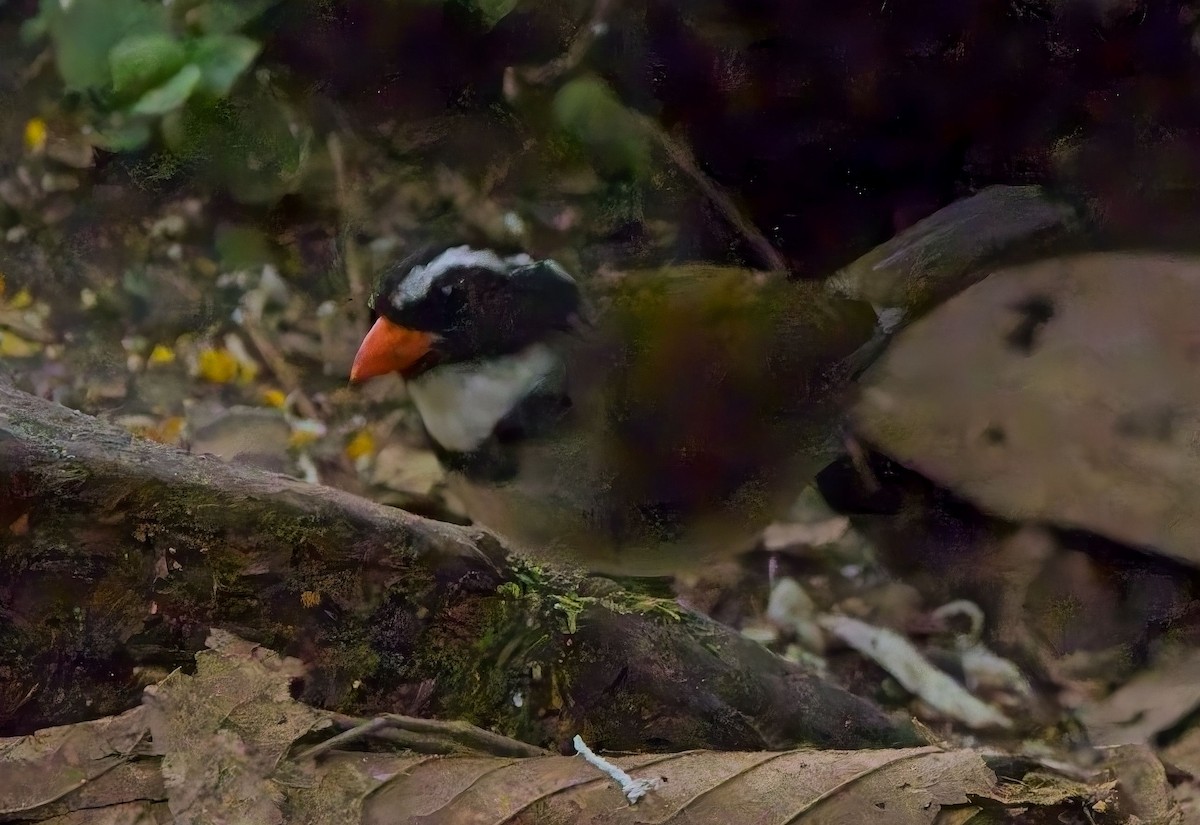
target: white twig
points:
(634, 789)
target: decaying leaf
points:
(1154, 701)
(897, 786)
(222, 734)
(223, 746)
(80, 760)
(1063, 391)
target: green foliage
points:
(85, 32)
(252, 144)
(170, 95)
(117, 49)
(138, 62)
(592, 115)
(222, 58)
(226, 16)
(493, 11)
(172, 71)
(243, 247)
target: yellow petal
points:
(274, 398)
(247, 371)
(14, 346)
(35, 135)
(22, 300)
(217, 365)
(363, 444)
(162, 354)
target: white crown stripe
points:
(417, 283)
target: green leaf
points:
(590, 112)
(170, 95)
(251, 144)
(494, 11)
(34, 29)
(144, 60)
(85, 31)
(222, 58)
(227, 16)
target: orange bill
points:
(389, 347)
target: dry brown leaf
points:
(890, 786)
(1155, 700)
(42, 768)
(1063, 391)
(140, 812)
(223, 733)
(224, 736)
(1142, 784)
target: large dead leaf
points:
(892, 786)
(223, 733)
(1062, 391)
(229, 745)
(1155, 700)
(89, 760)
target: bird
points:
(643, 425)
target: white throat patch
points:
(462, 403)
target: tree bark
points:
(117, 555)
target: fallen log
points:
(117, 555)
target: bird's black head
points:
(463, 304)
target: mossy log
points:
(117, 555)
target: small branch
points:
(676, 150)
(279, 366)
(466, 734)
(587, 34)
(345, 200)
(423, 735)
(360, 731)
(682, 157)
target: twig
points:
(682, 157)
(278, 366)
(676, 150)
(354, 268)
(424, 735)
(466, 734)
(345, 737)
(577, 50)
(44, 58)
